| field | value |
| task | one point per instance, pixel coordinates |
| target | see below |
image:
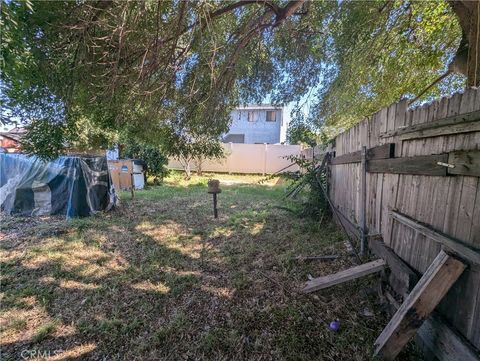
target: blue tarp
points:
(70, 186)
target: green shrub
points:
(156, 162)
(309, 181)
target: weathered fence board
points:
(378, 152)
(465, 162)
(422, 165)
(449, 204)
(453, 120)
(430, 289)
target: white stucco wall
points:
(249, 158)
(260, 131)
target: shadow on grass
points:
(105, 294)
(159, 278)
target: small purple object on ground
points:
(334, 325)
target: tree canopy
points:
(146, 67)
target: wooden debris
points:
(392, 300)
(316, 258)
(344, 276)
(429, 291)
(440, 339)
(406, 276)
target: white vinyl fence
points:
(248, 158)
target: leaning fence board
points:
(344, 276)
(440, 339)
(451, 120)
(465, 162)
(420, 165)
(350, 227)
(399, 268)
(453, 244)
(429, 291)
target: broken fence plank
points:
(429, 291)
(380, 152)
(344, 276)
(441, 340)
(457, 246)
(399, 268)
(419, 165)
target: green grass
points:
(160, 278)
(44, 331)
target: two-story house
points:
(255, 124)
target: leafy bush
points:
(310, 180)
(156, 162)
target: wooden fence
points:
(421, 165)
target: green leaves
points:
(153, 157)
(44, 139)
(383, 52)
(170, 72)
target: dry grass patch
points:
(160, 279)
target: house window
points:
(252, 116)
(271, 116)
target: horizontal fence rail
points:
(421, 193)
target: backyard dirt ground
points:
(160, 279)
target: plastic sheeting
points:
(70, 186)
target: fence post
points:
(363, 200)
(265, 150)
(229, 159)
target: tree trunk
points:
(469, 20)
(188, 172)
(185, 162)
(199, 166)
